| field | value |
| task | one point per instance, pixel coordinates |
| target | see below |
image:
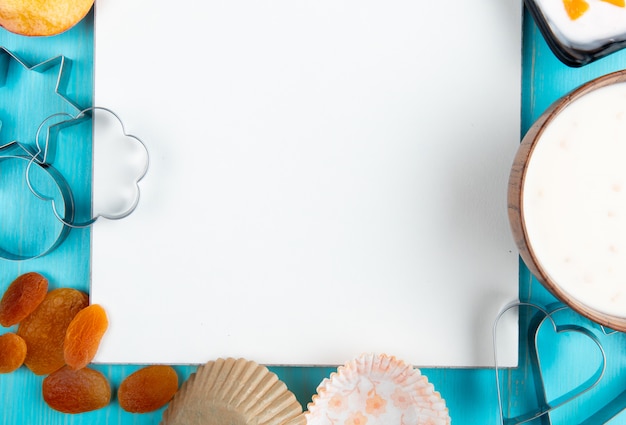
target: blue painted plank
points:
(470, 393)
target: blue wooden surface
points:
(567, 359)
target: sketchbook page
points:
(326, 178)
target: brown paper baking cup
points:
(233, 392)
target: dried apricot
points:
(618, 3)
(76, 391)
(22, 297)
(45, 328)
(12, 352)
(83, 336)
(148, 389)
(575, 8)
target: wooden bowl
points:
(521, 204)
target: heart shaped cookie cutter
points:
(544, 406)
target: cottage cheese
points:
(602, 23)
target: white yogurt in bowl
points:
(567, 200)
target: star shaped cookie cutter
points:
(39, 158)
(6, 56)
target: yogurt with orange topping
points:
(585, 24)
(574, 199)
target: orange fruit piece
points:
(45, 328)
(619, 3)
(76, 391)
(148, 389)
(575, 8)
(42, 17)
(12, 352)
(22, 297)
(83, 336)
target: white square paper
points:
(326, 178)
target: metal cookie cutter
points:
(110, 119)
(36, 162)
(16, 155)
(541, 412)
(6, 56)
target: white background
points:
(326, 178)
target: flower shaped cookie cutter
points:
(45, 182)
(139, 167)
(546, 317)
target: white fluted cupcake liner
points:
(377, 390)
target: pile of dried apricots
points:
(58, 335)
